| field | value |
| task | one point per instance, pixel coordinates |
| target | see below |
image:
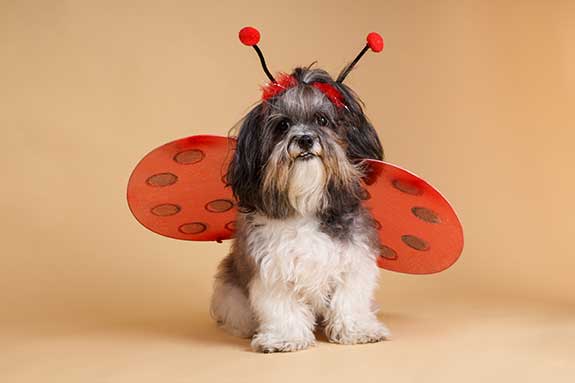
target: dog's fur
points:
(305, 248)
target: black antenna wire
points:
(263, 62)
(348, 68)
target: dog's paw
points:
(268, 342)
(370, 332)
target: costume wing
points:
(178, 190)
(418, 228)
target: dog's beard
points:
(306, 184)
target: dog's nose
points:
(305, 142)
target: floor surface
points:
(465, 341)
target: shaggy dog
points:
(305, 249)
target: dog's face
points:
(298, 153)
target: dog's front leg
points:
(350, 317)
(285, 322)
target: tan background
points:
(476, 96)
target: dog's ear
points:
(362, 138)
(245, 170)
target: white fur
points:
(303, 273)
(306, 185)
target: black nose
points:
(305, 142)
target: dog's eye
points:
(321, 120)
(284, 124)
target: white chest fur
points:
(296, 253)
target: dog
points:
(304, 253)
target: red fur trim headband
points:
(286, 81)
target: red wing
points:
(418, 228)
(178, 191)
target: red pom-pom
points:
(249, 36)
(330, 92)
(375, 42)
(284, 81)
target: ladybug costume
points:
(179, 190)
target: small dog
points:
(305, 248)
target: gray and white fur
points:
(304, 256)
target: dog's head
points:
(299, 151)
